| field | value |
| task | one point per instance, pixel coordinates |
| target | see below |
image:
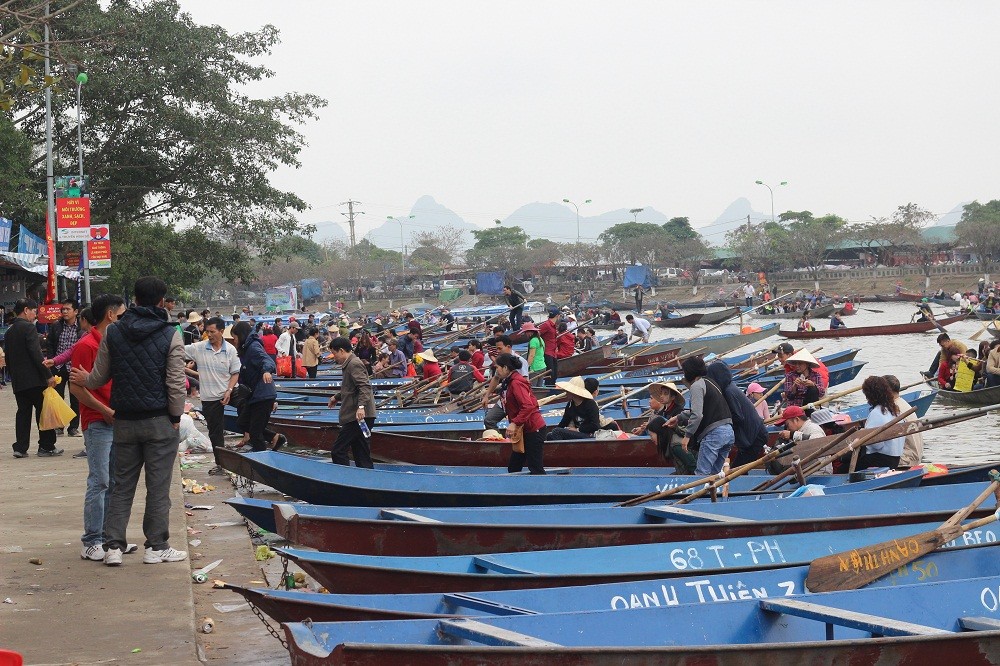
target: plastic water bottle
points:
(365, 430)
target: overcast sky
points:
(860, 106)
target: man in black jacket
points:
(63, 334)
(515, 300)
(29, 378)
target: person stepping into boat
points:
(527, 427)
(710, 423)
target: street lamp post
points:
(81, 78)
(769, 189)
(402, 244)
(577, 216)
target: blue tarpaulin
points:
(635, 275)
(311, 288)
(489, 283)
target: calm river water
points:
(975, 441)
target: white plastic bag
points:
(191, 439)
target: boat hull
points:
(898, 329)
(678, 322)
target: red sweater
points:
(521, 406)
(565, 345)
(547, 331)
(270, 340)
(477, 360)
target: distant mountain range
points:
(555, 221)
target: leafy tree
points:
(584, 257)
(761, 247)
(679, 229)
(633, 242)
(18, 201)
(438, 247)
(810, 239)
(499, 248)
(170, 132)
(978, 231)
(294, 245)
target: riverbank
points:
(64, 610)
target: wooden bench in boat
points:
(484, 562)
(874, 624)
(689, 515)
(488, 635)
(407, 516)
(979, 623)
(496, 608)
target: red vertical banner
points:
(50, 294)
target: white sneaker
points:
(95, 552)
(113, 557)
(166, 555)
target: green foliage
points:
(679, 228)
(170, 133)
(17, 199)
(979, 230)
(761, 247)
(633, 242)
(180, 258)
(499, 248)
(810, 239)
(294, 245)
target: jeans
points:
(150, 443)
(516, 318)
(350, 437)
(215, 417)
(98, 439)
(715, 446)
(992, 379)
(27, 400)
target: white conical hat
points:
(576, 387)
(804, 356)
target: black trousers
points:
(551, 364)
(311, 371)
(745, 456)
(516, 318)
(350, 439)
(253, 420)
(638, 303)
(867, 460)
(73, 402)
(27, 400)
(565, 433)
(214, 412)
(532, 455)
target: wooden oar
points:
(735, 316)
(856, 568)
(767, 395)
(660, 494)
(739, 471)
(975, 336)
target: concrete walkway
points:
(68, 610)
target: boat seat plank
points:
(488, 635)
(484, 562)
(979, 623)
(477, 603)
(689, 515)
(548, 470)
(407, 516)
(874, 624)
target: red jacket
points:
(521, 406)
(270, 340)
(477, 360)
(547, 331)
(565, 345)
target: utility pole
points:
(50, 195)
(350, 216)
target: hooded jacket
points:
(255, 362)
(748, 425)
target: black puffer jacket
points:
(747, 423)
(138, 345)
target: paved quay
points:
(71, 611)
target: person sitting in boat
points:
(797, 426)
(803, 382)
(476, 356)
(836, 322)
(565, 341)
(924, 312)
(582, 417)
(381, 368)
(767, 309)
(755, 393)
(619, 337)
(614, 317)
(526, 426)
(669, 443)
(957, 371)
(584, 342)
(913, 445)
(804, 323)
(993, 364)
(665, 400)
(878, 393)
(463, 375)
(430, 368)
(397, 361)
(849, 308)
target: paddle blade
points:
(856, 568)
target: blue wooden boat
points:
(296, 606)
(437, 531)
(471, 530)
(321, 482)
(382, 574)
(931, 623)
